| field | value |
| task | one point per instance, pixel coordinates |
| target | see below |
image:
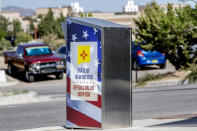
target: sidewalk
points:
(138, 125)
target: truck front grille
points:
(48, 70)
(48, 64)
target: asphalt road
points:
(161, 102)
(147, 103)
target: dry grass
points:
(13, 93)
(177, 75)
(180, 75)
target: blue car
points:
(141, 58)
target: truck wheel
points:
(135, 65)
(29, 77)
(10, 69)
(60, 75)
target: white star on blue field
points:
(85, 34)
(74, 37)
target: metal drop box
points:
(99, 93)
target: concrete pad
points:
(2, 76)
(160, 124)
(55, 128)
(153, 122)
(122, 129)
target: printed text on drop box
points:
(84, 75)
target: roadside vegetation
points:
(177, 75)
(172, 32)
(192, 75)
(13, 93)
(50, 30)
(11, 34)
(45, 27)
(150, 77)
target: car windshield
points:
(35, 51)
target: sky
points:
(89, 5)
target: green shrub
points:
(119, 13)
(53, 41)
(192, 76)
(147, 77)
(90, 14)
(5, 45)
(151, 77)
(23, 38)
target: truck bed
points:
(9, 55)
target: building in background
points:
(175, 6)
(65, 10)
(130, 7)
(163, 6)
(76, 8)
(11, 16)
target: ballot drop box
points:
(99, 93)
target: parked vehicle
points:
(61, 53)
(193, 52)
(141, 58)
(34, 59)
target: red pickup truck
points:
(34, 59)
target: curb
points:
(162, 83)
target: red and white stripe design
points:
(82, 113)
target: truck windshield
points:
(35, 51)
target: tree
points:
(47, 24)
(53, 41)
(16, 27)
(58, 27)
(31, 27)
(23, 38)
(50, 25)
(170, 33)
(4, 23)
(2, 34)
(5, 44)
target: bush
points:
(23, 38)
(192, 76)
(53, 41)
(5, 45)
(148, 77)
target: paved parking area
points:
(152, 70)
(140, 73)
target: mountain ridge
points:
(21, 10)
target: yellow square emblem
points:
(83, 54)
